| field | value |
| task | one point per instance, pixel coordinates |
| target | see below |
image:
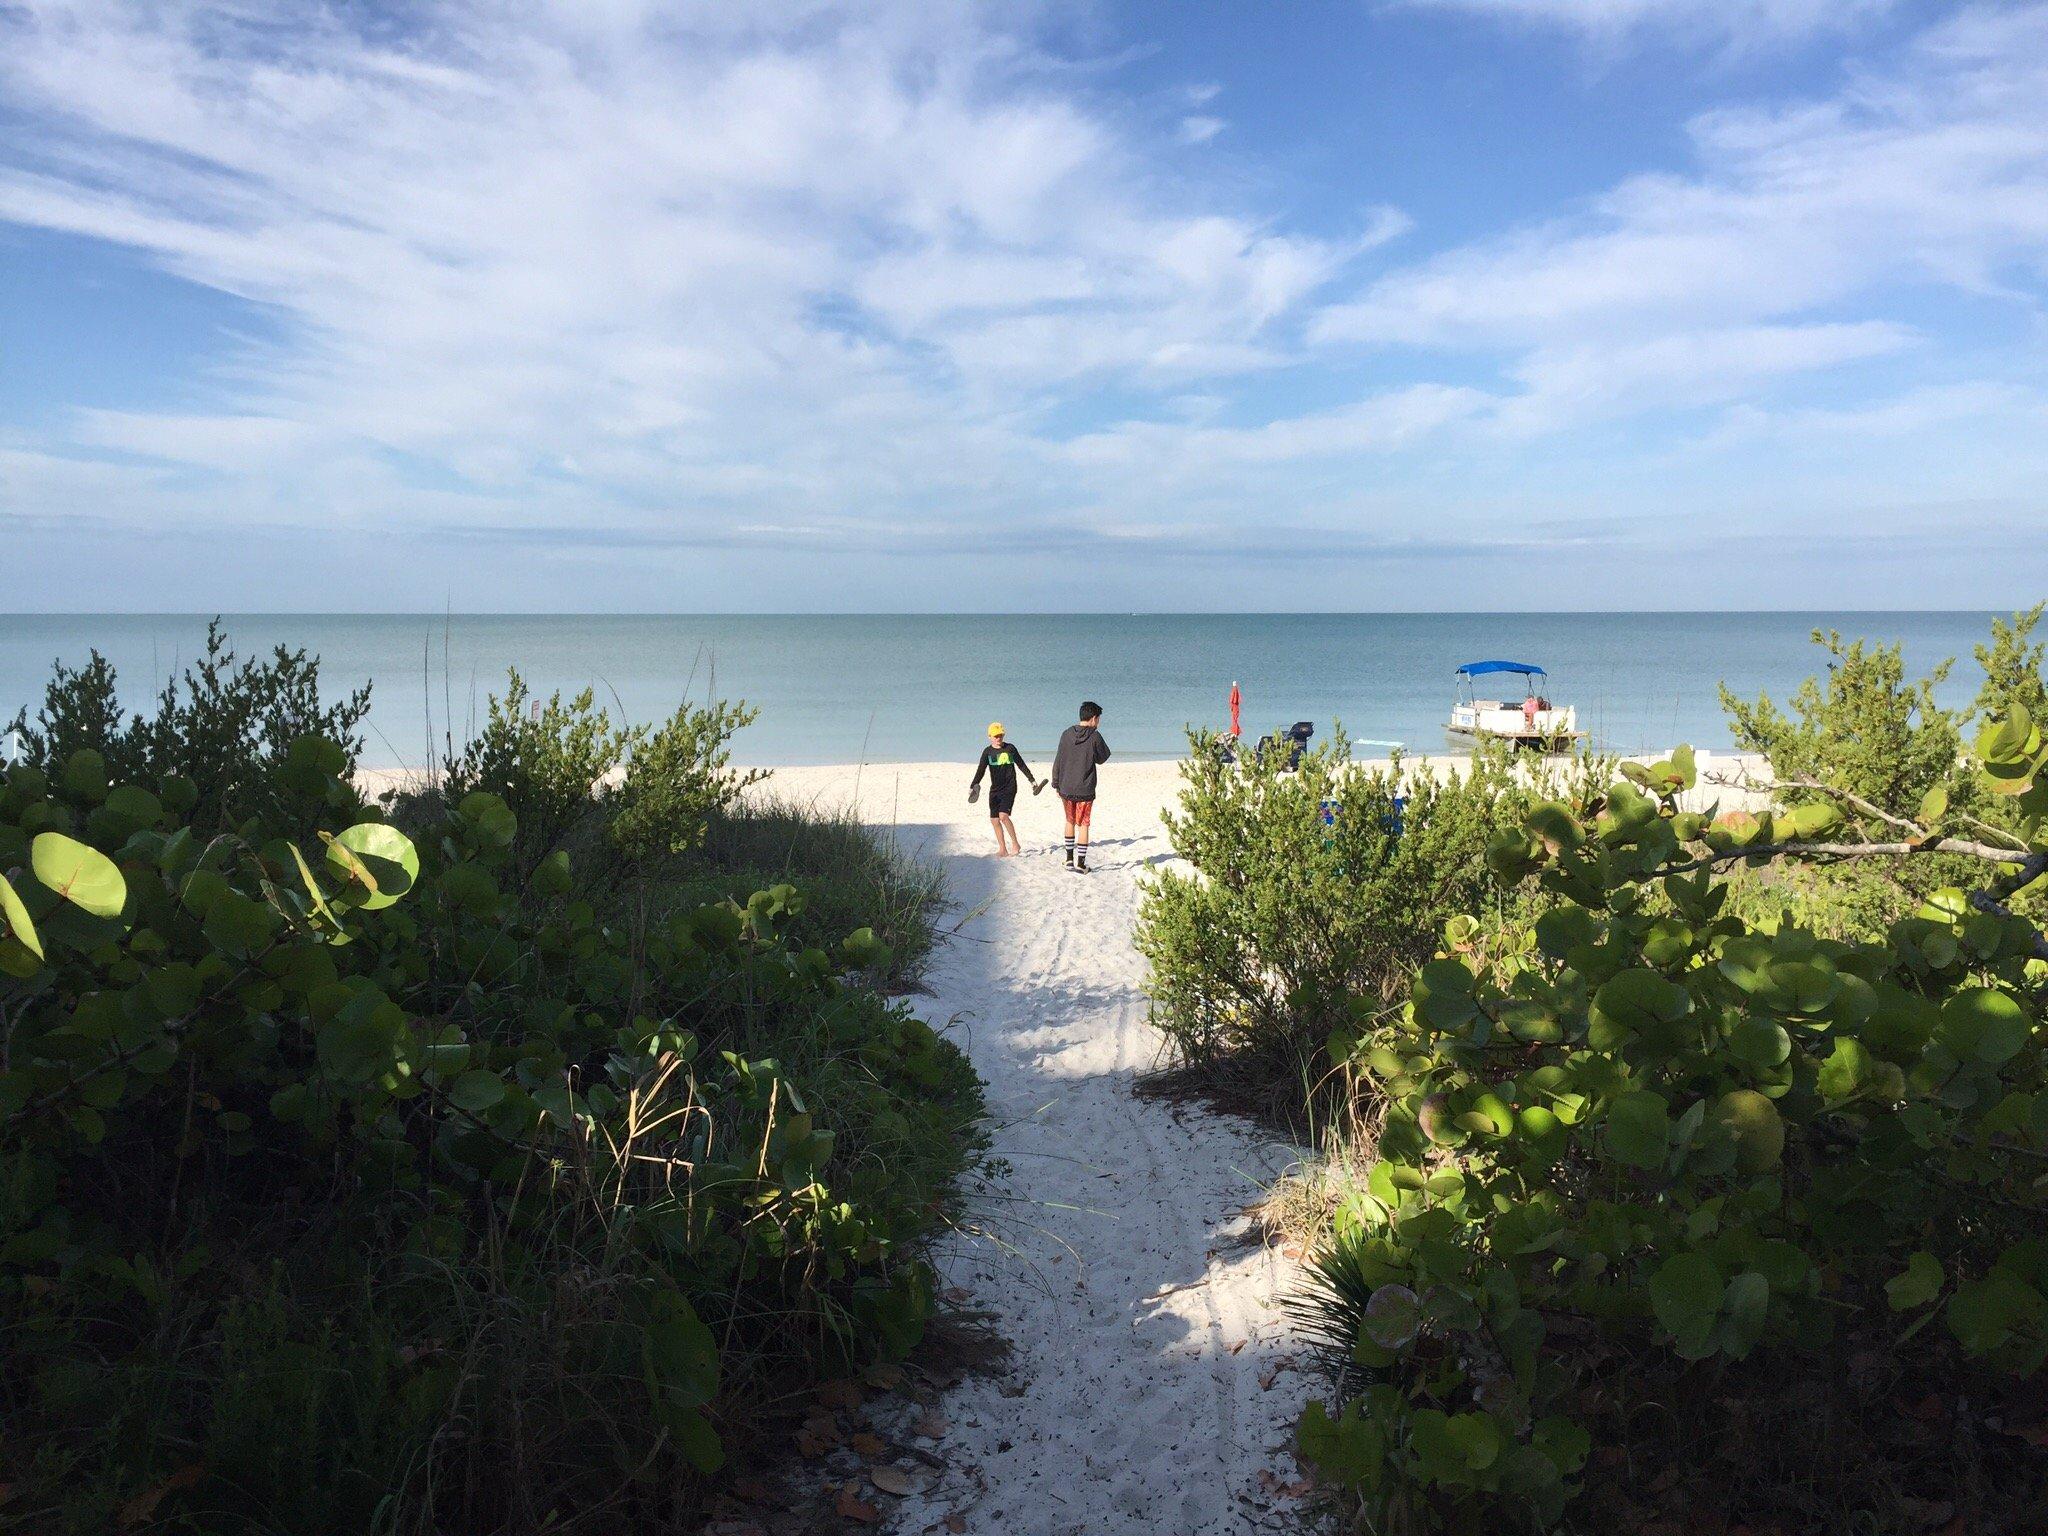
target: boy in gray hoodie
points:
(1073, 779)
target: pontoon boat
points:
(1531, 722)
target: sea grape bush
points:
(1640, 1127)
(342, 1175)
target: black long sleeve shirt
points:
(1001, 765)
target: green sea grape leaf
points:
(1639, 1129)
(82, 875)
(680, 1351)
(476, 1091)
(1443, 994)
(1759, 1043)
(15, 921)
(1983, 1314)
(1917, 1284)
(389, 855)
(1639, 1000)
(1348, 1447)
(1979, 1024)
(1754, 1124)
(1745, 1308)
(1848, 1068)
(1686, 1293)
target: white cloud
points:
(219, 442)
(1392, 419)
(1200, 130)
(1802, 236)
(1935, 173)
(1741, 23)
(689, 257)
(1918, 413)
(1570, 384)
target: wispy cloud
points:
(1741, 24)
(1677, 290)
(1936, 171)
(678, 254)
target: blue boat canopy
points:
(1482, 668)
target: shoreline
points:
(933, 795)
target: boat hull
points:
(1554, 730)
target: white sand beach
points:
(1151, 1378)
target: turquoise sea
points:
(847, 688)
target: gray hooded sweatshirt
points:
(1073, 766)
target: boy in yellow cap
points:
(1000, 761)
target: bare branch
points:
(1837, 852)
(1985, 826)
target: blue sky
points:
(1379, 304)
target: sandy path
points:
(1151, 1380)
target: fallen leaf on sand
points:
(1240, 1344)
(818, 1435)
(955, 1293)
(870, 1446)
(931, 1426)
(1279, 1486)
(839, 1394)
(885, 1377)
(892, 1480)
(1271, 1374)
(851, 1506)
(956, 1523)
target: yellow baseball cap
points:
(995, 727)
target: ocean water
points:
(849, 688)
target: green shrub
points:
(388, 1186)
(2013, 670)
(563, 767)
(678, 778)
(1289, 922)
(1866, 729)
(226, 730)
(551, 764)
(1645, 1151)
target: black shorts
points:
(1001, 800)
